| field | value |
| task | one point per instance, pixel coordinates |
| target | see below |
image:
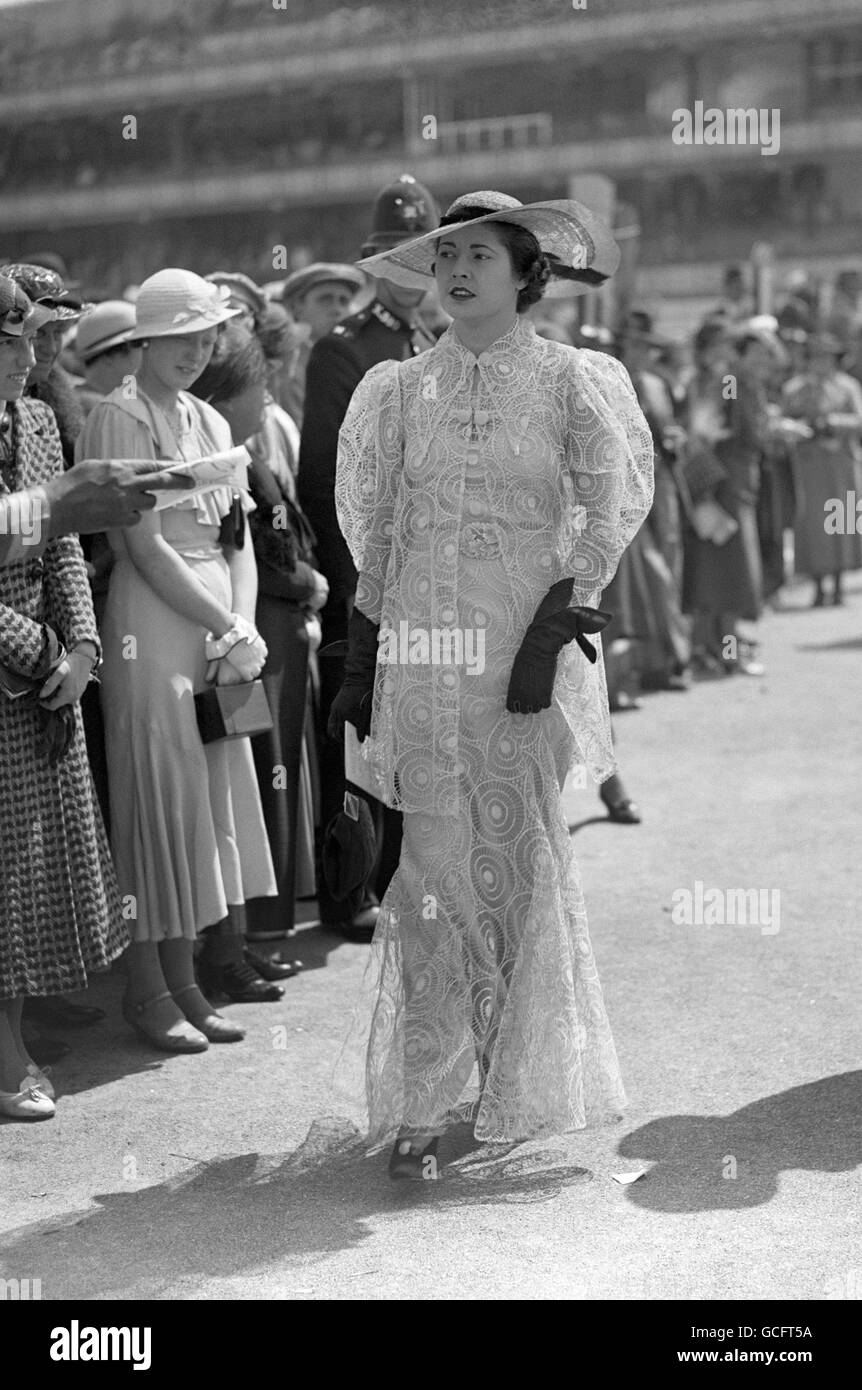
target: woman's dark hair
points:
(527, 257)
(236, 364)
(58, 392)
(274, 331)
(708, 335)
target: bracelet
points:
(217, 647)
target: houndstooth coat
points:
(60, 910)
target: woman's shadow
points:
(722, 1162)
(225, 1218)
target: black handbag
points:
(233, 711)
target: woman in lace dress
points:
(487, 489)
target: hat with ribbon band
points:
(105, 326)
(579, 245)
(173, 302)
(17, 314)
(45, 287)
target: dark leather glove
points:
(353, 702)
(57, 731)
(531, 684)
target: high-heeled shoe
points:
(213, 1026)
(189, 1040)
(40, 1078)
(29, 1102)
(407, 1160)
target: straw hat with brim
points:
(106, 326)
(18, 314)
(321, 273)
(44, 286)
(174, 302)
(579, 244)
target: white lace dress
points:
(466, 487)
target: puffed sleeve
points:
(368, 475)
(610, 472)
(111, 433)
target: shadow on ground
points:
(227, 1217)
(732, 1161)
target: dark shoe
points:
(272, 967)
(418, 1165)
(277, 934)
(44, 1051)
(54, 1011)
(243, 985)
(359, 928)
(624, 811)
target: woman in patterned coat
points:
(487, 489)
(60, 910)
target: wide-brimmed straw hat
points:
(107, 325)
(173, 302)
(579, 244)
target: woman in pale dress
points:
(827, 467)
(487, 488)
(188, 836)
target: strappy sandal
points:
(189, 1040)
(408, 1161)
(213, 1026)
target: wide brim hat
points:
(44, 286)
(321, 273)
(18, 314)
(174, 302)
(580, 245)
(105, 326)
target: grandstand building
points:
(208, 132)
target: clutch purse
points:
(233, 711)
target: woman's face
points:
(821, 363)
(47, 345)
(474, 273)
(244, 413)
(177, 361)
(16, 360)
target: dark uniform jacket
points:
(336, 366)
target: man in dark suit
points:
(387, 328)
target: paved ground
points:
(235, 1174)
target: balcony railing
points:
(497, 133)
